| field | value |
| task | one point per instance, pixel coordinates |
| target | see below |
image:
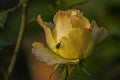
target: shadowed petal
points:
(96, 35)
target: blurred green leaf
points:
(66, 4)
(70, 3)
(9, 33)
(3, 17)
(6, 42)
(22, 1)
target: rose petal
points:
(102, 34)
(77, 19)
(47, 56)
(96, 35)
(49, 38)
(72, 46)
(62, 25)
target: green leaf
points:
(70, 3)
(3, 17)
(22, 2)
(66, 4)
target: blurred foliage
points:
(3, 17)
(104, 61)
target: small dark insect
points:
(58, 45)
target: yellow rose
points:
(71, 40)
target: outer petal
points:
(87, 47)
(97, 32)
(47, 56)
(96, 35)
(81, 22)
(62, 25)
(71, 46)
(49, 38)
(77, 19)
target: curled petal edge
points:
(98, 34)
(47, 56)
(49, 38)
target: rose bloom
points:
(70, 41)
